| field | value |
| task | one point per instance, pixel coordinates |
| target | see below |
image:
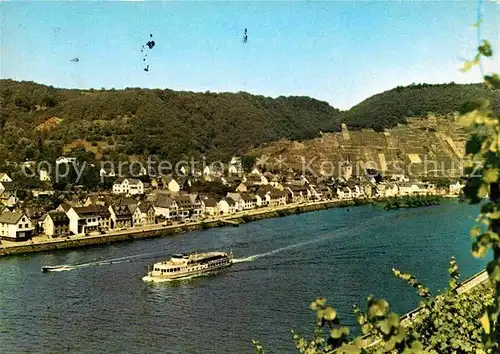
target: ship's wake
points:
(277, 250)
(97, 263)
(322, 238)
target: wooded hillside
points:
(43, 122)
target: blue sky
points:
(337, 51)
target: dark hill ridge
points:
(141, 121)
(41, 122)
(387, 109)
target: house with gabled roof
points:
(242, 188)
(5, 177)
(128, 186)
(15, 226)
(257, 179)
(65, 160)
(196, 205)
(185, 206)
(226, 206)
(210, 206)
(297, 193)
(6, 186)
(132, 205)
(170, 183)
(147, 214)
(98, 199)
(249, 201)
(55, 223)
(93, 218)
(8, 198)
(166, 206)
(276, 198)
(344, 193)
(121, 217)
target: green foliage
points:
(214, 189)
(483, 148)
(447, 323)
(413, 201)
(248, 162)
(387, 109)
(170, 124)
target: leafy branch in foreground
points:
(484, 187)
(446, 323)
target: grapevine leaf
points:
(485, 322)
(491, 175)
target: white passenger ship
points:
(187, 265)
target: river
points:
(102, 305)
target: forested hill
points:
(136, 121)
(387, 109)
(42, 122)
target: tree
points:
(248, 162)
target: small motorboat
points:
(46, 269)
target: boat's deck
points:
(193, 257)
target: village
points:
(132, 204)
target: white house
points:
(249, 201)
(196, 205)
(15, 227)
(5, 177)
(235, 165)
(387, 190)
(226, 206)
(8, 195)
(400, 178)
(407, 188)
(147, 214)
(255, 171)
(210, 206)
(105, 173)
(55, 224)
(167, 207)
(129, 186)
(88, 219)
(171, 184)
(456, 188)
(344, 193)
(65, 160)
(44, 175)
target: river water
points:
(102, 305)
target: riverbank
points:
(408, 201)
(44, 243)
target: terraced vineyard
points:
(431, 146)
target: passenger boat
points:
(187, 265)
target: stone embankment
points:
(42, 243)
